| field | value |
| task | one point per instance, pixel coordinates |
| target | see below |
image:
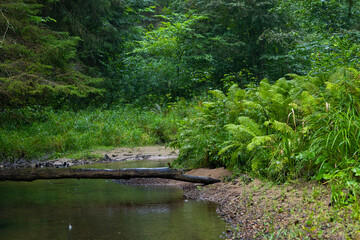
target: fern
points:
(228, 145)
(218, 94)
(240, 131)
(251, 125)
(303, 127)
(258, 141)
(280, 127)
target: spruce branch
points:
(7, 26)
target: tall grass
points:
(49, 132)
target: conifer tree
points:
(37, 64)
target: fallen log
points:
(31, 174)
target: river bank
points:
(262, 210)
(99, 156)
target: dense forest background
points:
(268, 87)
(81, 53)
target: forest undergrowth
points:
(299, 127)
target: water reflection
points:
(153, 209)
(101, 209)
(129, 164)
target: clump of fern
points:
(302, 126)
(202, 133)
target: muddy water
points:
(101, 209)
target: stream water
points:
(102, 209)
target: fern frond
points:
(252, 104)
(235, 93)
(258, 141)
(279, 126)
(235, 155)
(308, 102)
(226, 148)
(218, 94)
(264, 85)
(251, 125)
(239, 130)
(283, 85)
(208, 104)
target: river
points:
(103, 209)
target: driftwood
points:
(31, 174)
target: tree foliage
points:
(168, 60)
(36, 63)
(103, 27)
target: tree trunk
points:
(31, 174)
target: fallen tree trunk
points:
(46, 173)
